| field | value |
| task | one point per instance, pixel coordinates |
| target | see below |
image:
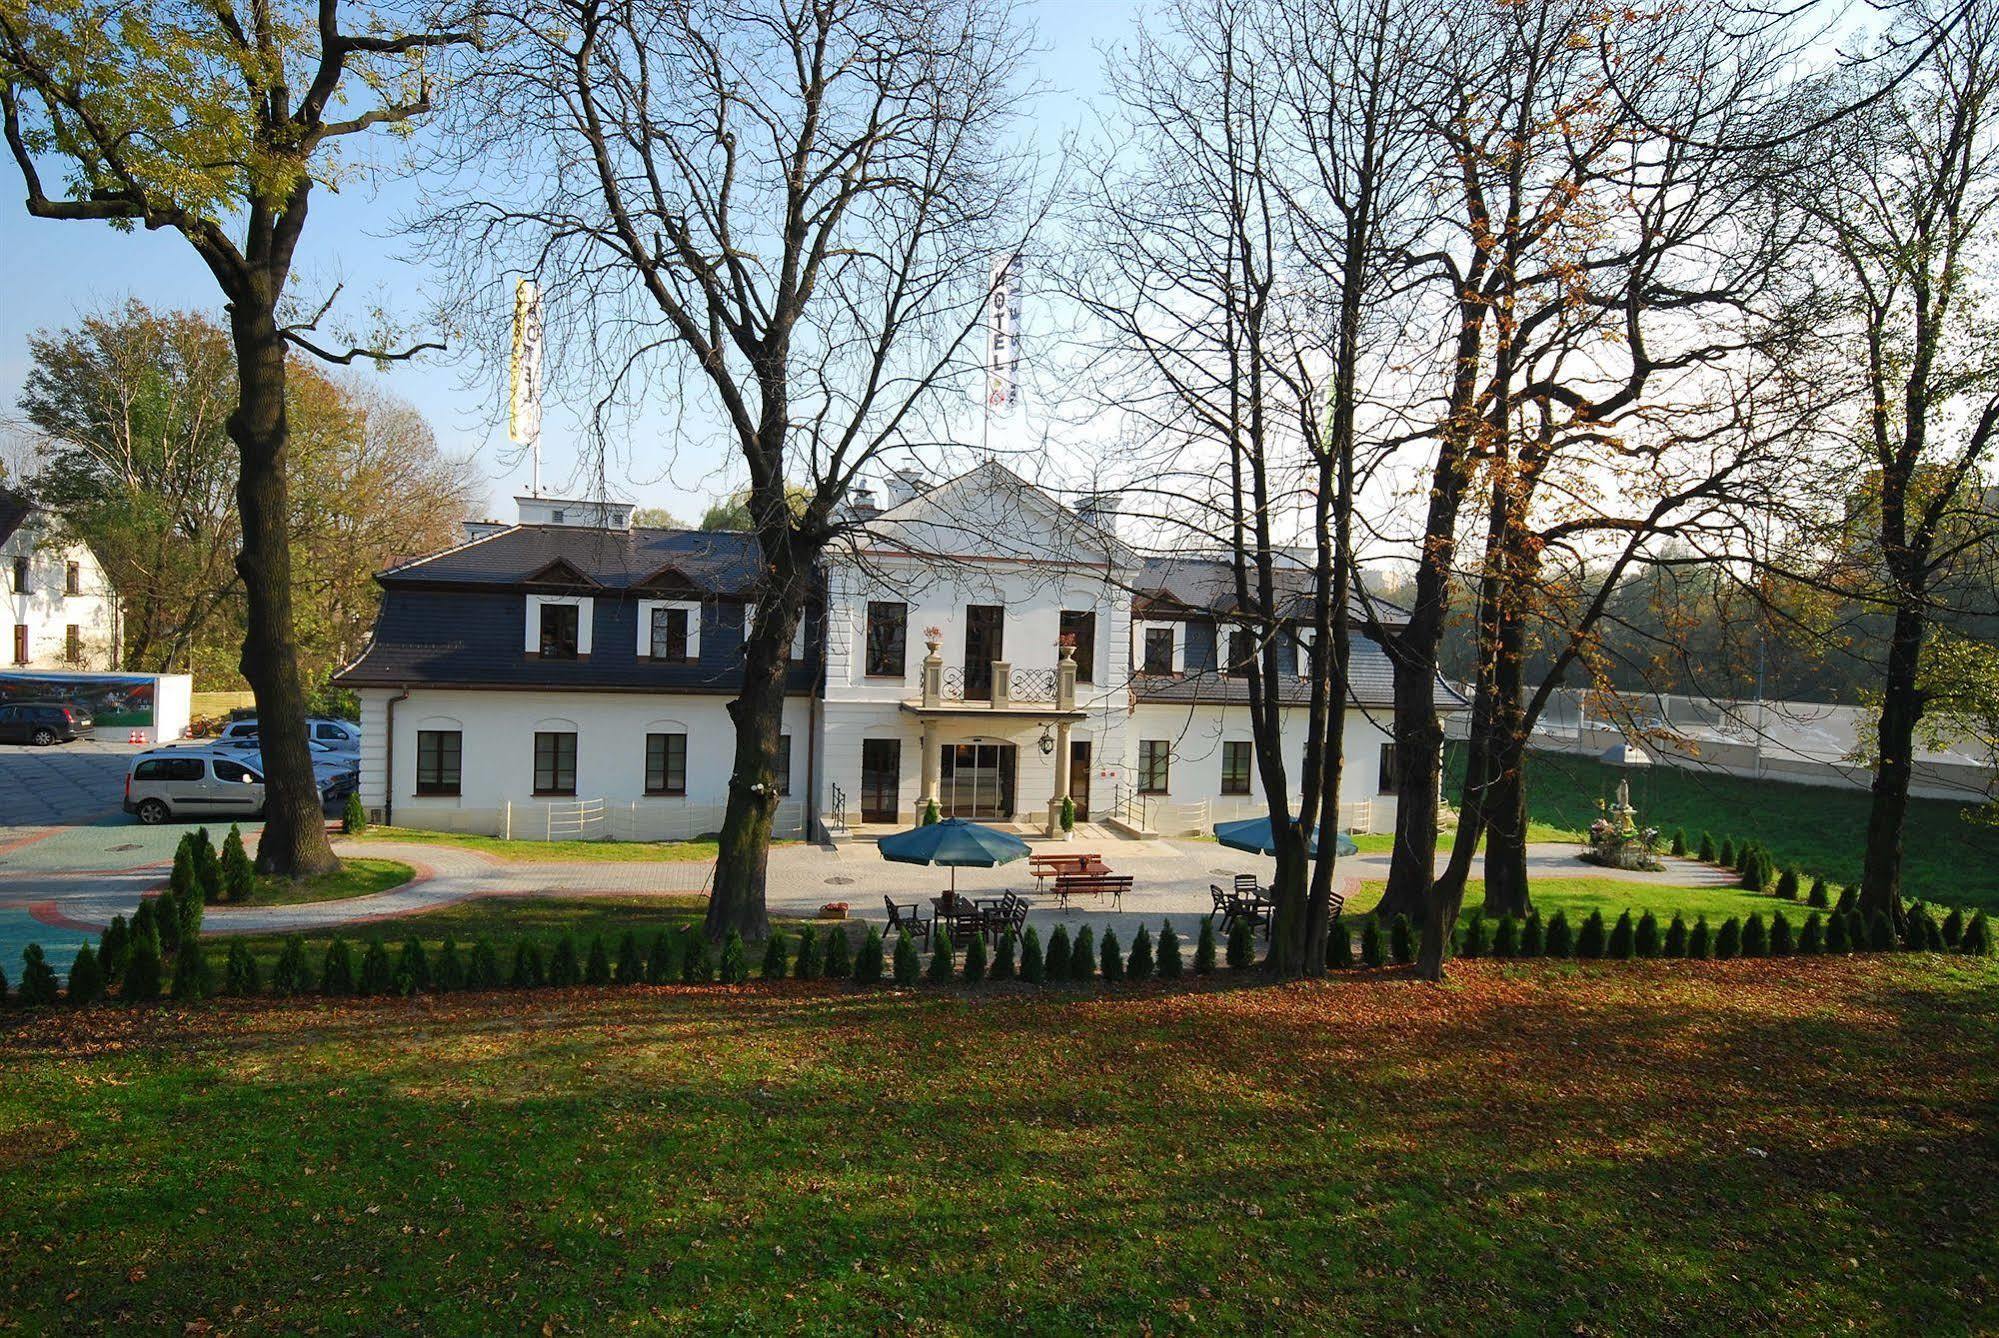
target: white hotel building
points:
(570, 674)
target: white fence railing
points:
(597, 820)
(1198, 817)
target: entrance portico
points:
(971, 745)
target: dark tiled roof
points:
(1371, 684)
(1208, 583)
(717, 561)
(14, 510)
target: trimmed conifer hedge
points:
(839, 960)
(1204, 948)
(1139, 965)
(1110, 959)
(868, 962)
(1033, 967)
(1058, 954)
(907, 964)
(1170, 965)
(975, 960)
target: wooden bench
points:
(1044, 867)
(1092, 884)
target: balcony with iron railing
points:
(1001, 687)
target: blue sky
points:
(55, 270)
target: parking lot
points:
(65, 785)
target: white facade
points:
(60, 611)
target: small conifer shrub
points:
(1755, 871)
(1645, 939)
(1476, 941)
(1110, 959)
(1533, 936)
(565, 966)
(1977, 940)
(239, 972)
(1506, 937)
(1782, 941)
(1837, 937)
(941, 963)
(1880, 934)
(1932, 932)
(1676, 937)
(631, 962)
(777, 960)
(1083, 955)
(868, 962)
(907, 964)
(1623, 939)
(1708, 854)
(529, 973)
(692, 943)
(194, 979)
(1755, 937)
(1700, 943)
(378, 973)
(703, 958)
(1402, 940)
(1727, 860)
(1370, 941)
(839, 962)
(1728, 943)
(1058, 954)
(663, 958)
(975, 961)
(484, 973)
(354, 818)
(1788, 885)
(1003, 964)
(1953, 928)
(1811, 939)
(412, 968)
(806, 966)
(735, 959)
(1169, 964)
(1204, 948)
(597, 962)
(1820, 896)
(336, 971)
(290, 974)
(1591, 941)
(3, 987)
(1561, 940)
(1033, 966)
(239, 880)
(1856, 931)
(144, 970)
(1139, 965)
(447, 972)
(86, 977)
(1679, 846)
(207, 868)
(39, 986)
(1849, 900)
(1339, 945)
(1242, 946)
(113, 947)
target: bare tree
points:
(218, 124)
(775, 218)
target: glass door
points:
(982, 646)
(881, 779)
(1079, 777)
(976, 781)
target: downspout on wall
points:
(389, 758)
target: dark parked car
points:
(43, 723)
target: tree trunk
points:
(1419, 744)
(1506, 801)
(294, 841)
(743, 858)
(1289, 932)
(1895, 741)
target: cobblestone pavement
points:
(64, 784)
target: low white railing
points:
(636, 820)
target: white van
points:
(186, 783)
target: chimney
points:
(906, 485)
(861, 503)
(1099, 509)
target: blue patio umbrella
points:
(953, 843)
(1253, 835)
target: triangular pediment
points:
(991, 512)
(561, 574)
(669, 579)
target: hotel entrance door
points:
(976, 781)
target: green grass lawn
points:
(1577, 897)
(354, 878)
(1819, 830)
(554, 852)
(1790, 1145)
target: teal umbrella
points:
(1253, 835)
(954, 843)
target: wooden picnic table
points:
(1044, 867)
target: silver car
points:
(193, 783)
(341, 736)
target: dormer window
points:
(669, 634)
(670, 630)
(559, 623)
(1158, 657)
(558, 516)
(1242, 650)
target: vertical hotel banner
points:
(1003, 333)
(524, 407)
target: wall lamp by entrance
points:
(1047, 741)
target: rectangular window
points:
(888, 632)
(438, 752)
(20, 576)
(558, 631)
(72, 580)
(20, 643)
(1153, 756)
(1391, 775)
(1235, 768)
(784, 764)
(1158, 650)
(72, 643)
(669, 634)
(1242, 649)
(554, 763)
(666, 764)
(1083, 627)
